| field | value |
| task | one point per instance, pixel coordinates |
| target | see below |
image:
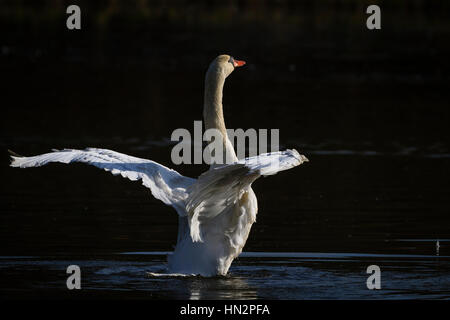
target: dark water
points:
(369, 110)
(319, 227)
(254, 275)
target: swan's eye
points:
(231, 61)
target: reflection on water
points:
(255, 275)
(228, 287)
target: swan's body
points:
(217, 210)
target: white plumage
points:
(165, 184)
(217, 210)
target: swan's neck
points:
(213, 109)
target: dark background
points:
(370, 109)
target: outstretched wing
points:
(165, 184)
(223, 186)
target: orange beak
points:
(238, 63)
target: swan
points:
(215, 211)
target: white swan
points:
(217, 210)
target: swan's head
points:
(225, 65)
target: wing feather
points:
(165, 184)
(223, 186)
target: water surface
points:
(255, 275)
